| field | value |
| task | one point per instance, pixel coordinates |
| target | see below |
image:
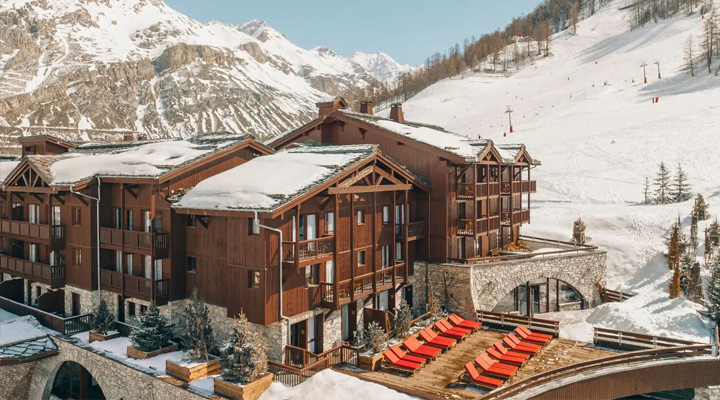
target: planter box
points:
(251, 391)
(99, 337)
(194, 370)
(372, 363)
(139, 354)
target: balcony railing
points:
(363, 284)
(465, 191)
(40, 232)
(157, 243)
(327, 292)
(66, 326)
(482, 189)
(344, 290)
(529, 186)
(400, 272)
(384, 277)
(53, 275)
(493, 223)
(482, 224)
(521, 216)
(417, 230)
(465, 227)
(309, 249)
(493, 189)
(135, 286)
(505, 188)
(505, 218)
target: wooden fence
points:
(613, 296)
(509, 322)
(66, 326)
(292, 375)
(634, 341)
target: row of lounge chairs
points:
(412, 355)
(500, 363)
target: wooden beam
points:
(133, 191)
(203, 220)
(387, 176)
(359, 176)
(20, 196)
(36, 196)
(82, 200)
(59, 199)
(369, 189)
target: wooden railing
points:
(417, 229)
(482, 190)
(363, 284)
(509, 322)
(344, 289)
(493, 223)
(66, 326)
(493, 189)
(529, 186)
(110, 280)
(667, 353)
(384, 277)
(634, 341)
(32, 231)
(327, 292)
(150, 241)
(309, 249)
(521, 216)
(53, 275)
(291, 375)
(505, 187)
(135, 286)
(465, 191)
(482, 224)
(400, 271)
(613, 296)
(465, 227)
(124, 329)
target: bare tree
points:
(690, 55)
(575, 16)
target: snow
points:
(5, 168)
(20, 328)
(267, 182)
(598, 143)
(328, 385)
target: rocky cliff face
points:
(96, 69)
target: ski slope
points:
(598, 142)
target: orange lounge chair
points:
(482, 380)
(495, 368)
(515, 344)
(448, 325)
(532, 339)
(537, 334)
(505, 358)
(458, 321)
(431, 338)
(394, 362)
(504, 351)
(450, 332)
(407, 357)
(421, 350)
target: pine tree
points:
(102, 321)
(244, 354)
(680, 189)
(403, 319)
(646, 191)
(662, 185)
(674, 289)
(674, 248)
(713, 303)
(700, 209)
(690, 55)
(575, 16)
(153, 332)
(375, 337)
(197, 332)
(693, 243)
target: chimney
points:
(366, 107)
(396, 113)
(328, 106)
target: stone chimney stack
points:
(366, 107)
(396, 113)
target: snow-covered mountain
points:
(587, 115)
(97, 68)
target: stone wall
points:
(14, 380)
(466, 288)
(88, 298)
(707, 393)
(332, 330)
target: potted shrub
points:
(102, 324)
(374, 340)
(198, 340)
(152, 336)
(244, 364)
(403, 320)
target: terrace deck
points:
(438, 380)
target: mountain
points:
(95, 69)
(587, 114)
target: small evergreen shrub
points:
(102, 320)
(153, 332)
(244, 356)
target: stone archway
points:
(74, 381)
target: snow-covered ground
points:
(16, 329)
(598, 142)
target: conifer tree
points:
(646, 191)
(244, 354)
(680, 189)
(674, 289)
(375, 337)
(662, 185)
(102, 321)
(674, 248)
(403, 319)
(700, 209)
(713, 303)
(197, 332)
(153, 333)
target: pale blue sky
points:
(408, 30)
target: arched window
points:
(73, 381)
(541, 296)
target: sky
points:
(407, 30)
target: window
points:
(34, 217)
(77, 261)
(54, 258)
(118, 261)
(254, 279)
(143, 309)
(253, 228)
(128, 220)
(56, 220)
(33, 252)
(118, 218)
(147, 221)
(386, 215)
(38, 291)
(360, 217)
(129, 262)
(191, 221)
(131, 309)
(192, 264)
(148, 267)
(398, 251)
(361, 257)
(385, 252)
(329, 223)
(76, 216)
(312, 275)
(461, 210)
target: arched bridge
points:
(623, 375)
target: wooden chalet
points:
(352, 222)
(480, 191)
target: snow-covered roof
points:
(268, 182)
(133, 159)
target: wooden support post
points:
(123, 261)
(336, 266)
(353, 256)
(405, 235)
(393, 257)
(296, 245)
(374, 242)
(474, 209)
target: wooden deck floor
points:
(438, 380)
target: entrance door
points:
(345, 317)
(330, 271)
(147, 221)
(121, 309)
(298, 334)
(56, 216)
(383, 301)
(408, 295)
(75, 304)
(311, 230)
(18, 213)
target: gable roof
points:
(270, 183)
(46, 138)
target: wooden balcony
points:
(482, 225)
(309, 252)
(493, 223)
(384, 278)
(417, 230)
(150, 243)
(521, 217)
(505, 218)
(465, 227)
(66, 326)
(53, 275)
(135, 286)
(465, 191)
(52, 235)
(505, 188)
